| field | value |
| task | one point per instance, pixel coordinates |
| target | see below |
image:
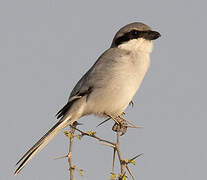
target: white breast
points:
(121, 86)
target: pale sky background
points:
(47, 45)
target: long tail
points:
(43, 141)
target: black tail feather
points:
(64, 110)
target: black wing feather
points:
(65, 109)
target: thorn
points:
(61, 157)
(136, 157)
(106, 144)
(103, 122)
(113, 162)
(133, 125)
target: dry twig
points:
(72, 168)
(122, 162)
(94, 136)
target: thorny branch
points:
(71, 167)
(115, 146)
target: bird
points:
(108, 87)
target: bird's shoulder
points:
(107, 60)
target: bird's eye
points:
(134, 32)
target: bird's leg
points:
(120, 124)
(114, 118)
(121, 127)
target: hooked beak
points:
(151, 35)
(154, 35)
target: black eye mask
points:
(135, 34)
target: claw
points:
(131, 104)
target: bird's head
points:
(135, 37)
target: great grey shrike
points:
(109, 85)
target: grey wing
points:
(90, 77)
(82, 88)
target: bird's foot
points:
(121, 126)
